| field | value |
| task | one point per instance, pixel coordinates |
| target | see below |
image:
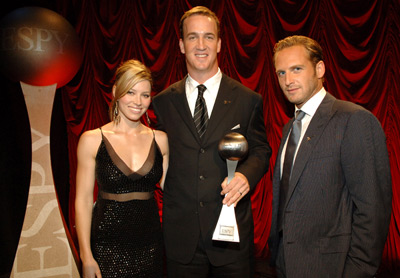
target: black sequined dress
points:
(126, 238)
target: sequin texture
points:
(126, 237)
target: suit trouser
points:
(280, 260)
(201, 267)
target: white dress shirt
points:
(310, 107)
(209, 95)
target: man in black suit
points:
(331, 207)
(196, 180)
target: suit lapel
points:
(180, 102)
(223, 103)
(276, 183)
(310, 139)
(285, 134)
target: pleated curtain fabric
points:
(200, 112)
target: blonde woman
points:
(120, 235)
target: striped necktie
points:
(200, 112)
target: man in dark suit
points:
(331, 207)
(196, 180)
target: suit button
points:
(202, 151)
(201, 204)
(202, 178)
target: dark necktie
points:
(200, 112)
(288, 164)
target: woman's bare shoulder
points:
(162, 140)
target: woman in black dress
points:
(120, 235)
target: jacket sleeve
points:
(159, 119)
(366, 168)
(257, 161)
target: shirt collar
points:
(311, 106)
(210, 83)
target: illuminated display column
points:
(40, 49)
(43, 249)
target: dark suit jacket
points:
(192, 201)
(337, 214)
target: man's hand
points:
(235, 190)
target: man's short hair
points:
(312, 47)
(199, 10)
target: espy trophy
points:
(233, 147)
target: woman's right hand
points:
(90, 269)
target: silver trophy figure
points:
(233, 147)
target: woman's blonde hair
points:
(128, 75)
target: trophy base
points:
(227, 228)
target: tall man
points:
(331, 207)
(193, 196)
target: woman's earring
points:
(148, 119)
(116, 109)
(116, 113)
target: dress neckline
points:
(122, 166)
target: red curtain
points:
(361, 40)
